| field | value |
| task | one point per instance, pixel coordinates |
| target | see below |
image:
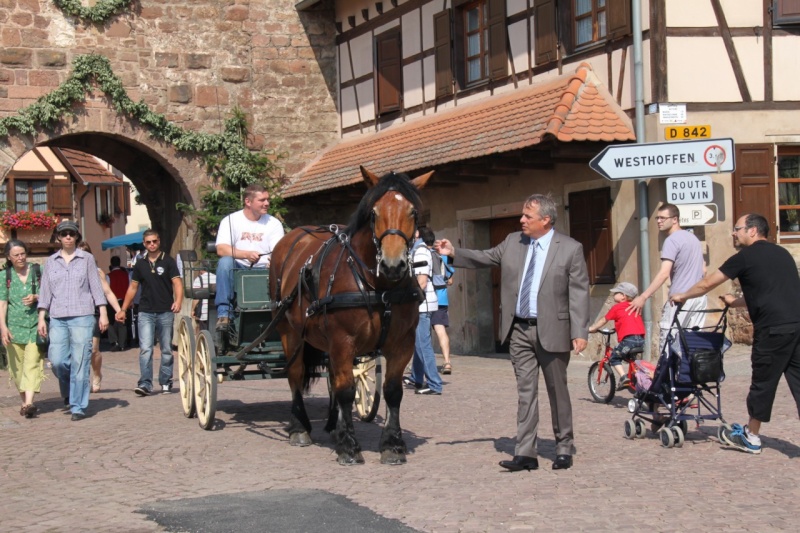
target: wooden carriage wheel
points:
(368, 374)
(205, 380)
(186, 347)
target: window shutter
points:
(119, 200)
(754, 183)
(545, 45)
(390, 71)
(498, 56)
(619, 18)
(126, 198)
(442, 53)
(60, 195)
(786, 12)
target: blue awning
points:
(131, 240)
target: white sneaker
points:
(166, 389)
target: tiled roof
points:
(87, 168)
(572, 107)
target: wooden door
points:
(499, 229)
(754, 184)
(590, 225)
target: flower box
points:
(26, 220)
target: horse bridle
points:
(378, 241)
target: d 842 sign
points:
(672, 133)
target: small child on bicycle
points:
(630, 328)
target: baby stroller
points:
(685, 384)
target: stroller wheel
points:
(632, 405)
(684, 425)
(667, 437)
(630, 429)
(678, 434)
(641, 429)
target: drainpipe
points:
(641, 185)
(82, 210)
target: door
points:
(590, 225)
(499, 229)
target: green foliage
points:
(100, 12)
(231, 165)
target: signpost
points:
(690, 190)
(653, 160)
(698, 214)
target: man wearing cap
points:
(630, 328)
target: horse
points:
(349, 291)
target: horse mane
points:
(388, 182)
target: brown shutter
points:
(126, 198)
(786, 12)
(119, 200)
(498, 55)
(442, 53)
(619, 18)
(390, 71)
(545, 44)
(754, 184)
(60, 197)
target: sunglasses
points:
(68, 233)
(151, 242)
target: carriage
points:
(249, 349)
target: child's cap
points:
(628, 289)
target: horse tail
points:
(314, 362)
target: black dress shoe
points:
(562, 462)
(520, 462)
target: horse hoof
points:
(388, 457)
(300, 439)
(351, 460)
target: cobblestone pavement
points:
(94, 475)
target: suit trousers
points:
(527, 357)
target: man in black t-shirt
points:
(771, 287)
(161, 298)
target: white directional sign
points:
(690, 190)
(652, 160)
(698, 214)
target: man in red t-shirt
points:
(118, 280)
(630, 328)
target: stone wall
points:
(193, 60)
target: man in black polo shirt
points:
(162, 295)
(771, 287)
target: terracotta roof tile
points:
(573, 107)
(87, 168)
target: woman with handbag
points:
(18, 320)
(71, 290)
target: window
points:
(479, 49)
(577, 24)
(785, 12)
(104, 207)
(390, 71)
(789, 189)
(29, 195)
(590, 21)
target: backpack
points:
(441, 271)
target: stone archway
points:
(162, 175)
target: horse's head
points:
(395, 205)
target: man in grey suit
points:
(545, 312)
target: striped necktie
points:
(525, 291)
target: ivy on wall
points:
(231, 165)
(100, 12)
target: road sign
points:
(698, 214)
(690, 190)
(653, 160)
(687, 132)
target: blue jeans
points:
(150, 326)
(424, 363)
(70, 353)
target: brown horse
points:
(350, 291)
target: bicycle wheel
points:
(602, 388)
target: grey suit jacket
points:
(563, 298)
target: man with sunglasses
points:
(245, 239)
(682, 263)
(161, 298)
(771, 287)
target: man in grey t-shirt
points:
(682, 263)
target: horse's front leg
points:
(348, 450)
(392, 446)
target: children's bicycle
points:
(602, 379)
